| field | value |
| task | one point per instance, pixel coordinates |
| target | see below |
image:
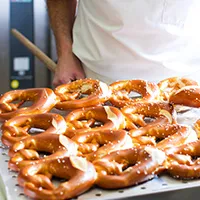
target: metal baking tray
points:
(163, 187)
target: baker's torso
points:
(146, 39)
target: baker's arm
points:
(62, 17)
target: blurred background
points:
(19, 68)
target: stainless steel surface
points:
(50, 64)
(4, 46)
(41, 37)
(2, 189)
(42, 40)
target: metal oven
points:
(18, 67)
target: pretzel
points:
(155, 128)
(36, 179)
(26, 151)
(121, 89)
(156, 110)
(82, 93)
(186, 96)
(163, 136)
(181, 163)
(43, 100)
(109, 118)
(152, 134)
(94, 145)
(172, 84)
(172, 134)
(128, 167)
(183, 135)
(19, 127)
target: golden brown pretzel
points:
(121, 89)
(43, 100)
(147, 133)
(186, 96)
(158, 130)
(71, 94)
(109, 118)
(94, 145)
(26, 151)
(36, 179)
(172, 84)
(156, 110)
(128, 167)
(151, 134)
(183, 135)
(18, 127)
(181, 162)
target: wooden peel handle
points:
(35, 50)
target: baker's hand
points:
(68, 68)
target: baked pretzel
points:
(94, 145)
(97, 118)
(181, 162)
(154, 110)
(172, 84)
(121, 90)
(43, 100)
(82, 93)
(183, 135)
(36, 179)
(152, 135)
(19, 127)
(128, 167)
(186, 96)
(160, 130)
(26, 151)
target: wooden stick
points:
(51, 65)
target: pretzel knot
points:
(19, 127)
(26, 151)
(36, 179)
(82, 93)
(186, 96)
(43, 100)
(173, 84)
(97, 118)
(94, 145)
(184, 161)
(128, 167)
(183, 135)
(160, 135)
(160, 112)
(121, 90)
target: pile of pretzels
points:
(109, 136)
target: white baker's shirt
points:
(138, 39)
